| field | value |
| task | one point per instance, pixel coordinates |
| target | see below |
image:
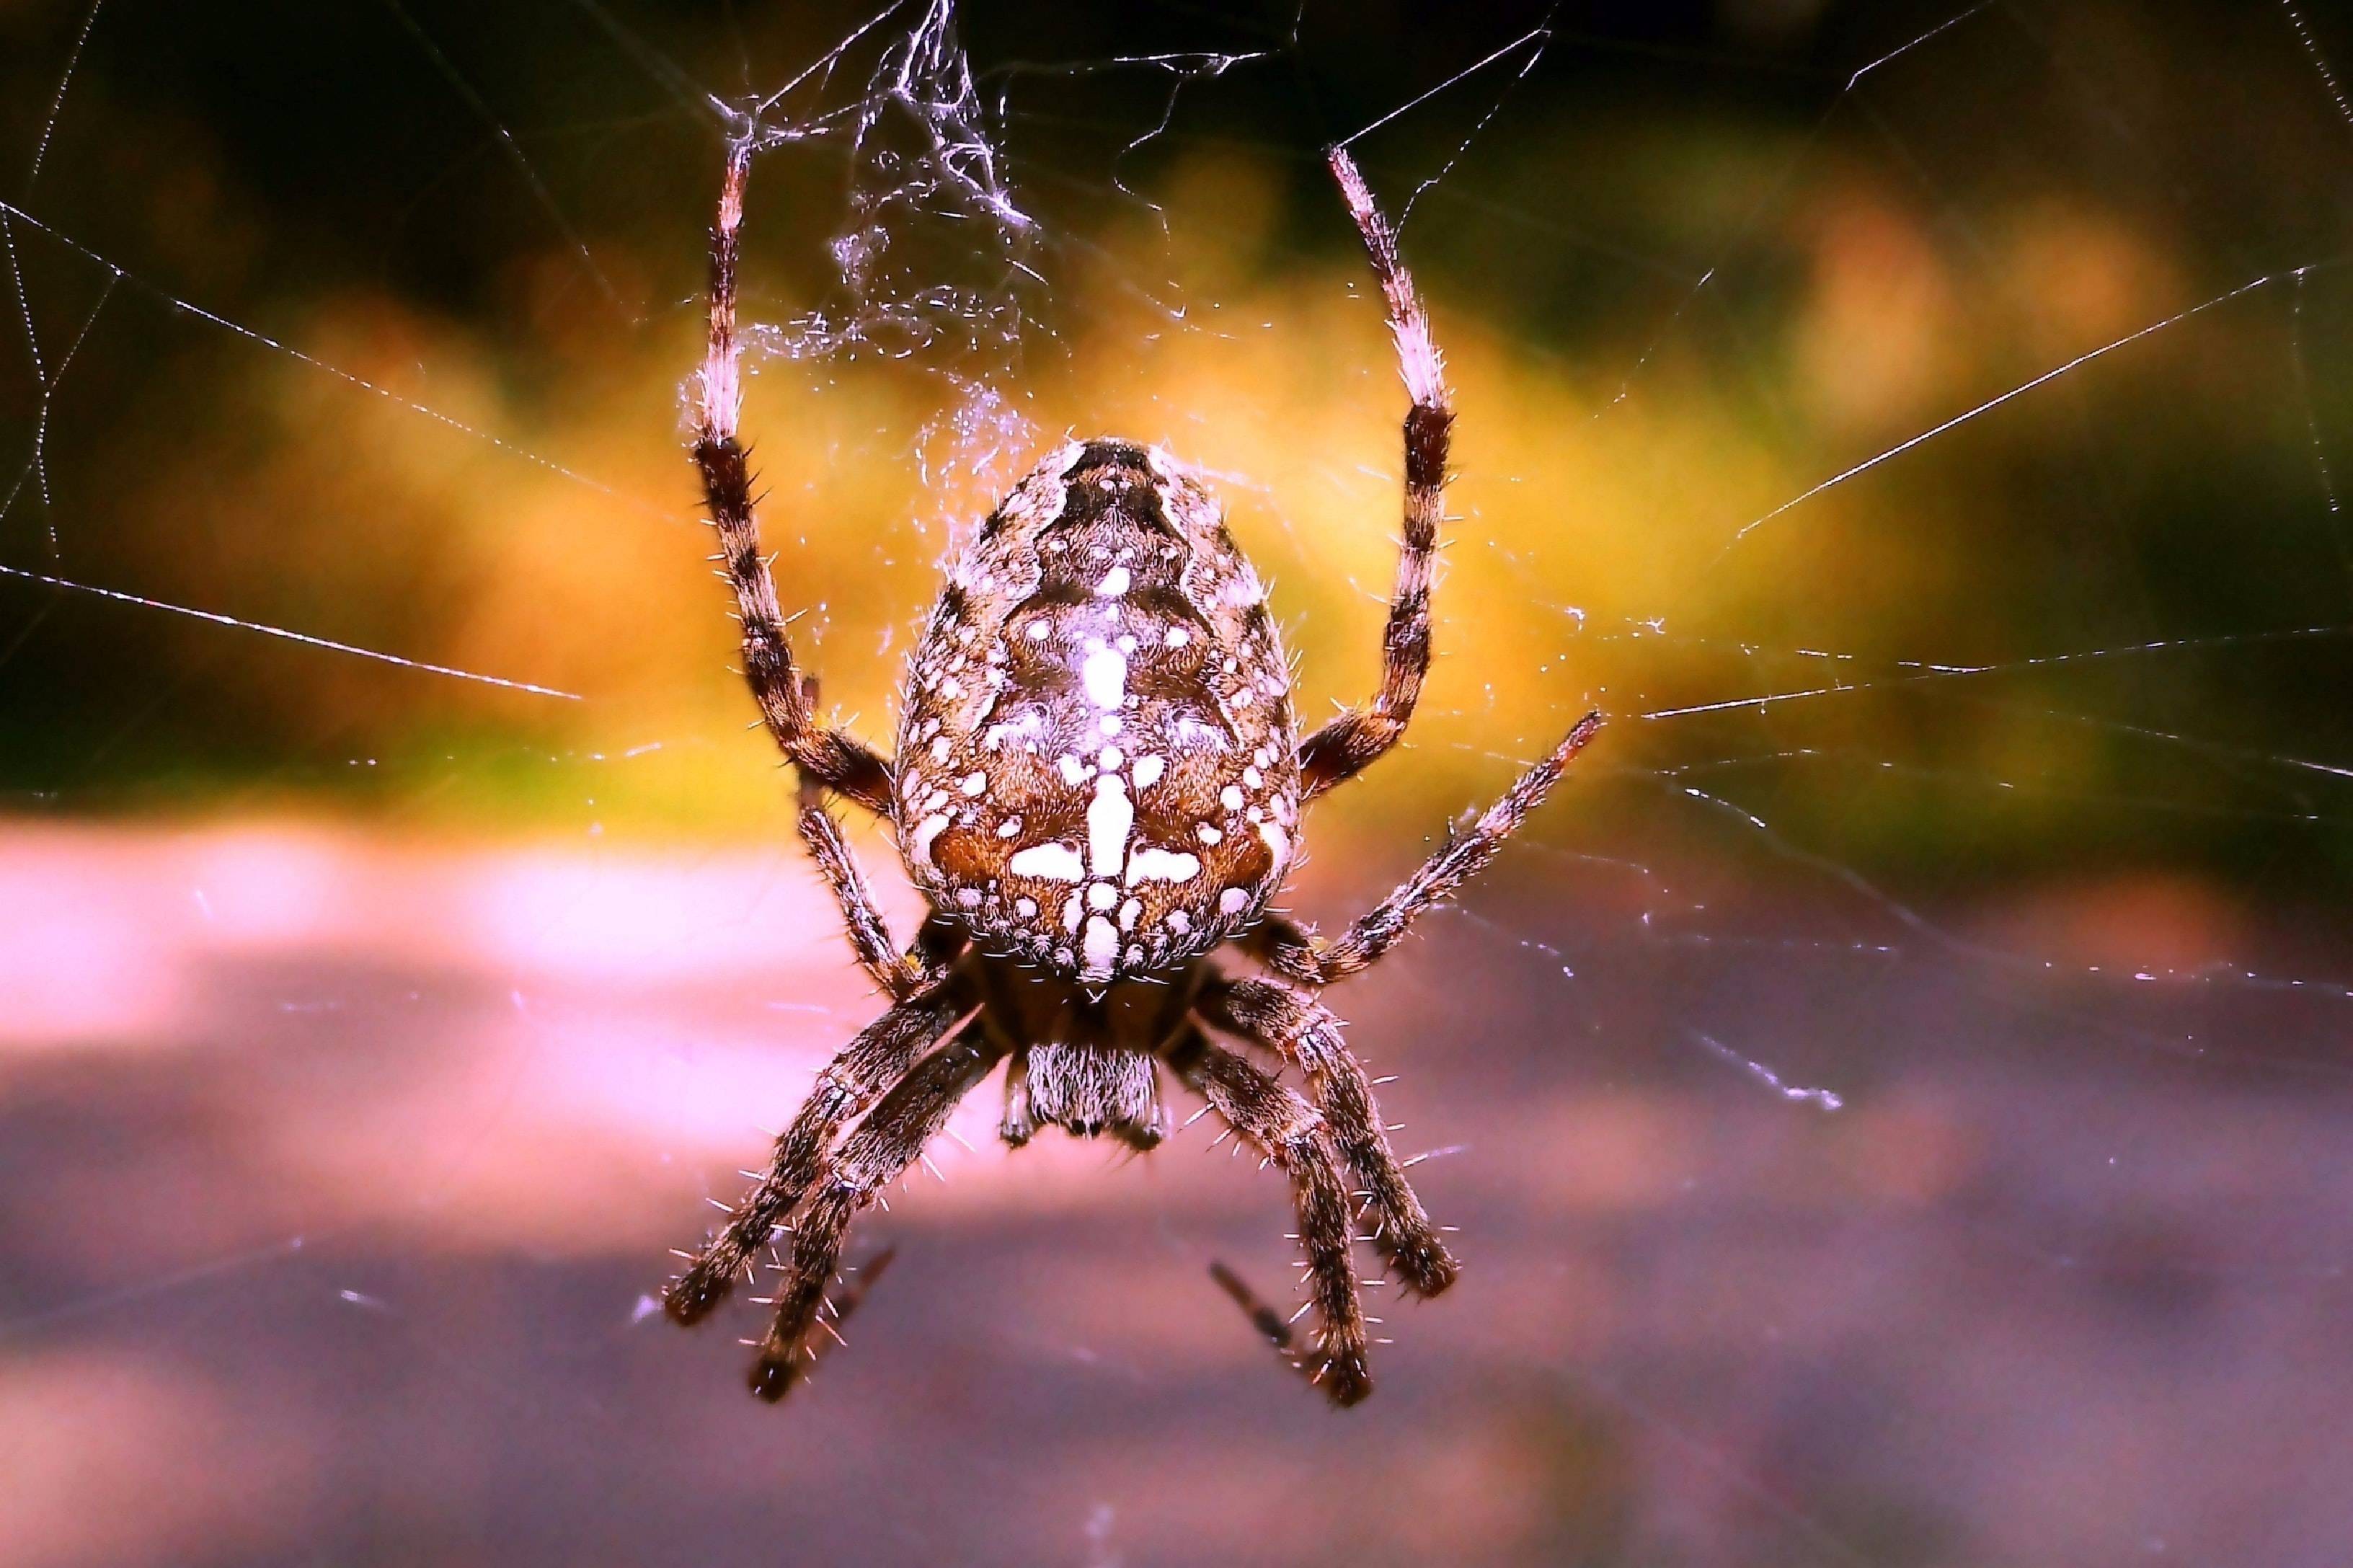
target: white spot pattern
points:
(1101, 947)
(1149, 864)
(930, 828)
(1053, 862)
(1054, 692)
(1103, 673)
(1110, 819)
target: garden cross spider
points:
(1098, 781)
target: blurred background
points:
(1893, 1099)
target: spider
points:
(1098, 782)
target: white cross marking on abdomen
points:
(1110, 819)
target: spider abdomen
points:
(1098, 766)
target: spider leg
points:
(886, 1142)
(1270, 1323)
(1263, 1317)
(881, 1053)
(858, 1283)
(1292, 951)
(1291, 1134)
(1304, 1032)
(901, 974)
(836, 758)
(1347, 745)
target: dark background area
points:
(519, 188)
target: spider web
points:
(1889, 1097)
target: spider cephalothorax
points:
(1098, 769)
(1099, 782)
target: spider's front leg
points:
(886, 1142)
(879, 1055)
(1304, 1033)
(1351, 742)
(840, 761)
(1290, 1133)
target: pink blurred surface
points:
(338, 1170)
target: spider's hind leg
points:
(858, 1283)
(901, 974)
(1351, 742)
(839, 760)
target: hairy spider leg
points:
(879, 1055)
(1352, 741)
(854, 1291)
(1261, 1313)
(1304, 1032)
(1294, 952)
(1263, 1317)
(1307, 1036)
(1292, 1136)
(840, 761)
(901, 973)
(889, 1139)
